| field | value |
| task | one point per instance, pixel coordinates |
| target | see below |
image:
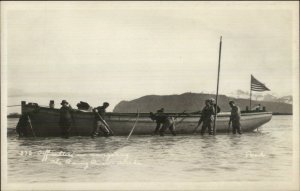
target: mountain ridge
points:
(192, 102)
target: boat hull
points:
(45, 122)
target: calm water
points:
(259, 156)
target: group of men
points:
(66, 119)
(163, 121)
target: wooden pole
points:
(106, 125)
(250, 96)
(219, 64)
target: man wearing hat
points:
(235, 118)
(66, 117)
(99, 120)
(207, 117)
(213, 103)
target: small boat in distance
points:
(44, 122)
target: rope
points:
(137, 118)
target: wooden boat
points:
(45, 122)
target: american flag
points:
(257, 85)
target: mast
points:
(219, 64)
(250, 93)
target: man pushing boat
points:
(163, 122)
(207, 117)
(217, 109)
(100, 123)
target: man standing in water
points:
(235, 118)
(66, 118)
(216, 108)
(207, 116)
(99, 120)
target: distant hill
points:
(192, 102)
(13, 115)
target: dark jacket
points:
(101, 111)
(159, 117)
(208, 113)
(65, 114)
(235, 113)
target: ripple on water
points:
(180, 158)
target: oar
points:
(104, 122)
(180, 116)
(183, 117)
(137, 118)
(31, 126)
(181, 120)
(194, 132)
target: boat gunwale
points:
(143, 114)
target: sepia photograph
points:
(149, 95)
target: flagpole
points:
(220, 47)
(250, 94)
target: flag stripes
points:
(257, 85)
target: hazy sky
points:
(113, 51)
